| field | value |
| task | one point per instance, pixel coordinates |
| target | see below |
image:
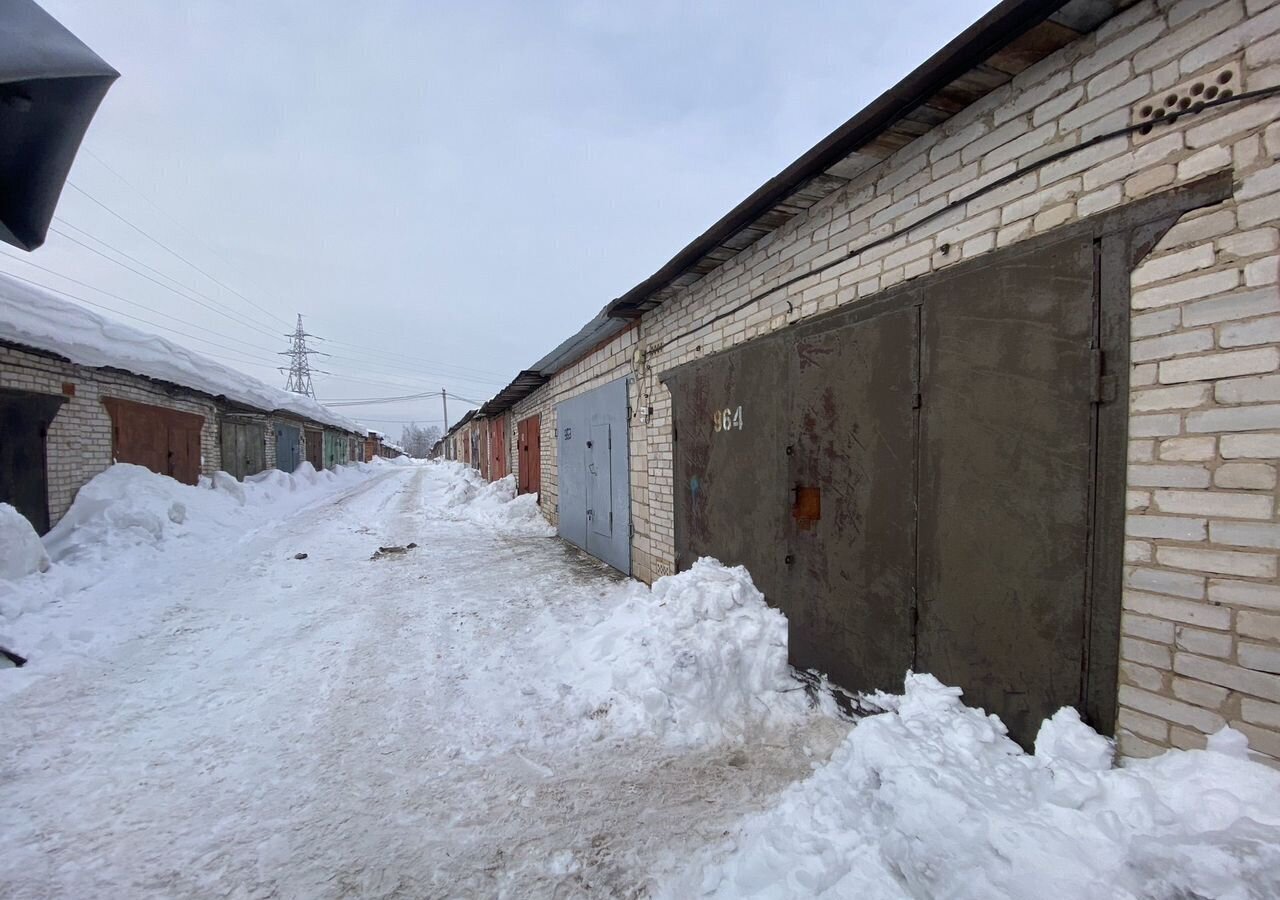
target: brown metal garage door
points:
(529, 454)
(315, 448)
(1006, 450)
(852, 470)
(166, 441)
(732, 496)
(497, 448)
(930, 506)
(934, 479)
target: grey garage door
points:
(288, 447)
(594, 473)
(244, 447)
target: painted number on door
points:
(727, 419)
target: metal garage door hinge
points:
(1104, 387)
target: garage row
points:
(931, 480)
(69, 408)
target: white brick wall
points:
(1205, 382)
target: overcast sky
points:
(445, 191)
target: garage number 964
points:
(727, 419)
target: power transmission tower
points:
(299, 371)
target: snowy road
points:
(342, 726)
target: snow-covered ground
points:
(489, 713)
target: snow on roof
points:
(36, 318)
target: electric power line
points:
(387, 368)
(171, 251)
(247, 357)
(216, 309)
(241, 358)
(126, 315)
(441, 368)
(188, 231)
(416, 360)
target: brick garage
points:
(1200, 623)
(78, 392)
(79, 438)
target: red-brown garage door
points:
(166, 441)
(529, 454)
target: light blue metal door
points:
(288, 447)
(594, 473)
(571, 461)
(599, 483)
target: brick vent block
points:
(1189, 97)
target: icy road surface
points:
(342, 726)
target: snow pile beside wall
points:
(933, 800)
(123, 507)
(461, 493)
(21, 552)
(128, 516)
(699, 657)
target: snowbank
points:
(461, 493)
(399, 460)
(37, 318)
(127, 517)
(23, 554)
(698, 658)
(933, 800)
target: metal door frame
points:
(1121, 238)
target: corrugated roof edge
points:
(467, 417)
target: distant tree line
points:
(418, 440)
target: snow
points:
(123, 518)
(931, 799)
(462, 494)
(232, 721)
(36, 318)
(698, 658)
(231, 692)
(23, 552)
